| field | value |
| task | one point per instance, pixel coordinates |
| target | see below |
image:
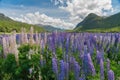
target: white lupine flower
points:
(45, 38)
(5, 46)
(22, 36)
(13, 45)
(31, 52)
(30, 70)
(25, 36)
(31, 40)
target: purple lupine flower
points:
(101, 70)
(81, 79)
(41, 60)
(36, 38)
(66, 70)
(111, 75)
(91, 66)
(55, 67)
(42, 45)
(52, 44)
(67, 45)
(85, 64)
(73, 44)
(66, 57)
(88, 66)
(62, 70)
(72, 59)
(99, 57)
(76, 70)
(108, 64)
(90, 49)
(116, 40)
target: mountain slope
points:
(50, 28)
(8, 25)
(96, 23)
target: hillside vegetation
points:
(95, 23)
(8, 25)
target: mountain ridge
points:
(96, 23)
(50, 28)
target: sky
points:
(65, 14)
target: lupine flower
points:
(55, 67)
(76, 70)
(25, 37)
(15, 46)
(116, 40)
(42, 45)
(66, 70)
(111, 75)
(101, 70)
(31, 40)
(72, 59)
(41, 60)
(45, 37)
(67, 45)
(81, 79)
(88, 64)
(5, 46)
(36, 38)
(91, 66)
(62, 70)
(30, 70)
(52, 43)
(22, 36)
(99, 57)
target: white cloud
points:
(79, 9)
(37, 18)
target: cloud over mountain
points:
(79, 9)
(37, 18)
(60, 13)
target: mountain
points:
(50, 28)
(95, 23)
(8, 25)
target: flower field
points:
(59, 56)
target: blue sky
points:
(54, 10)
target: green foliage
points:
(115, 67)
(1, 61)
(41, 65)
(1, 51)
(7, 76)
(9, 66)
(46, 69)
(9, 63)
(24, 62)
